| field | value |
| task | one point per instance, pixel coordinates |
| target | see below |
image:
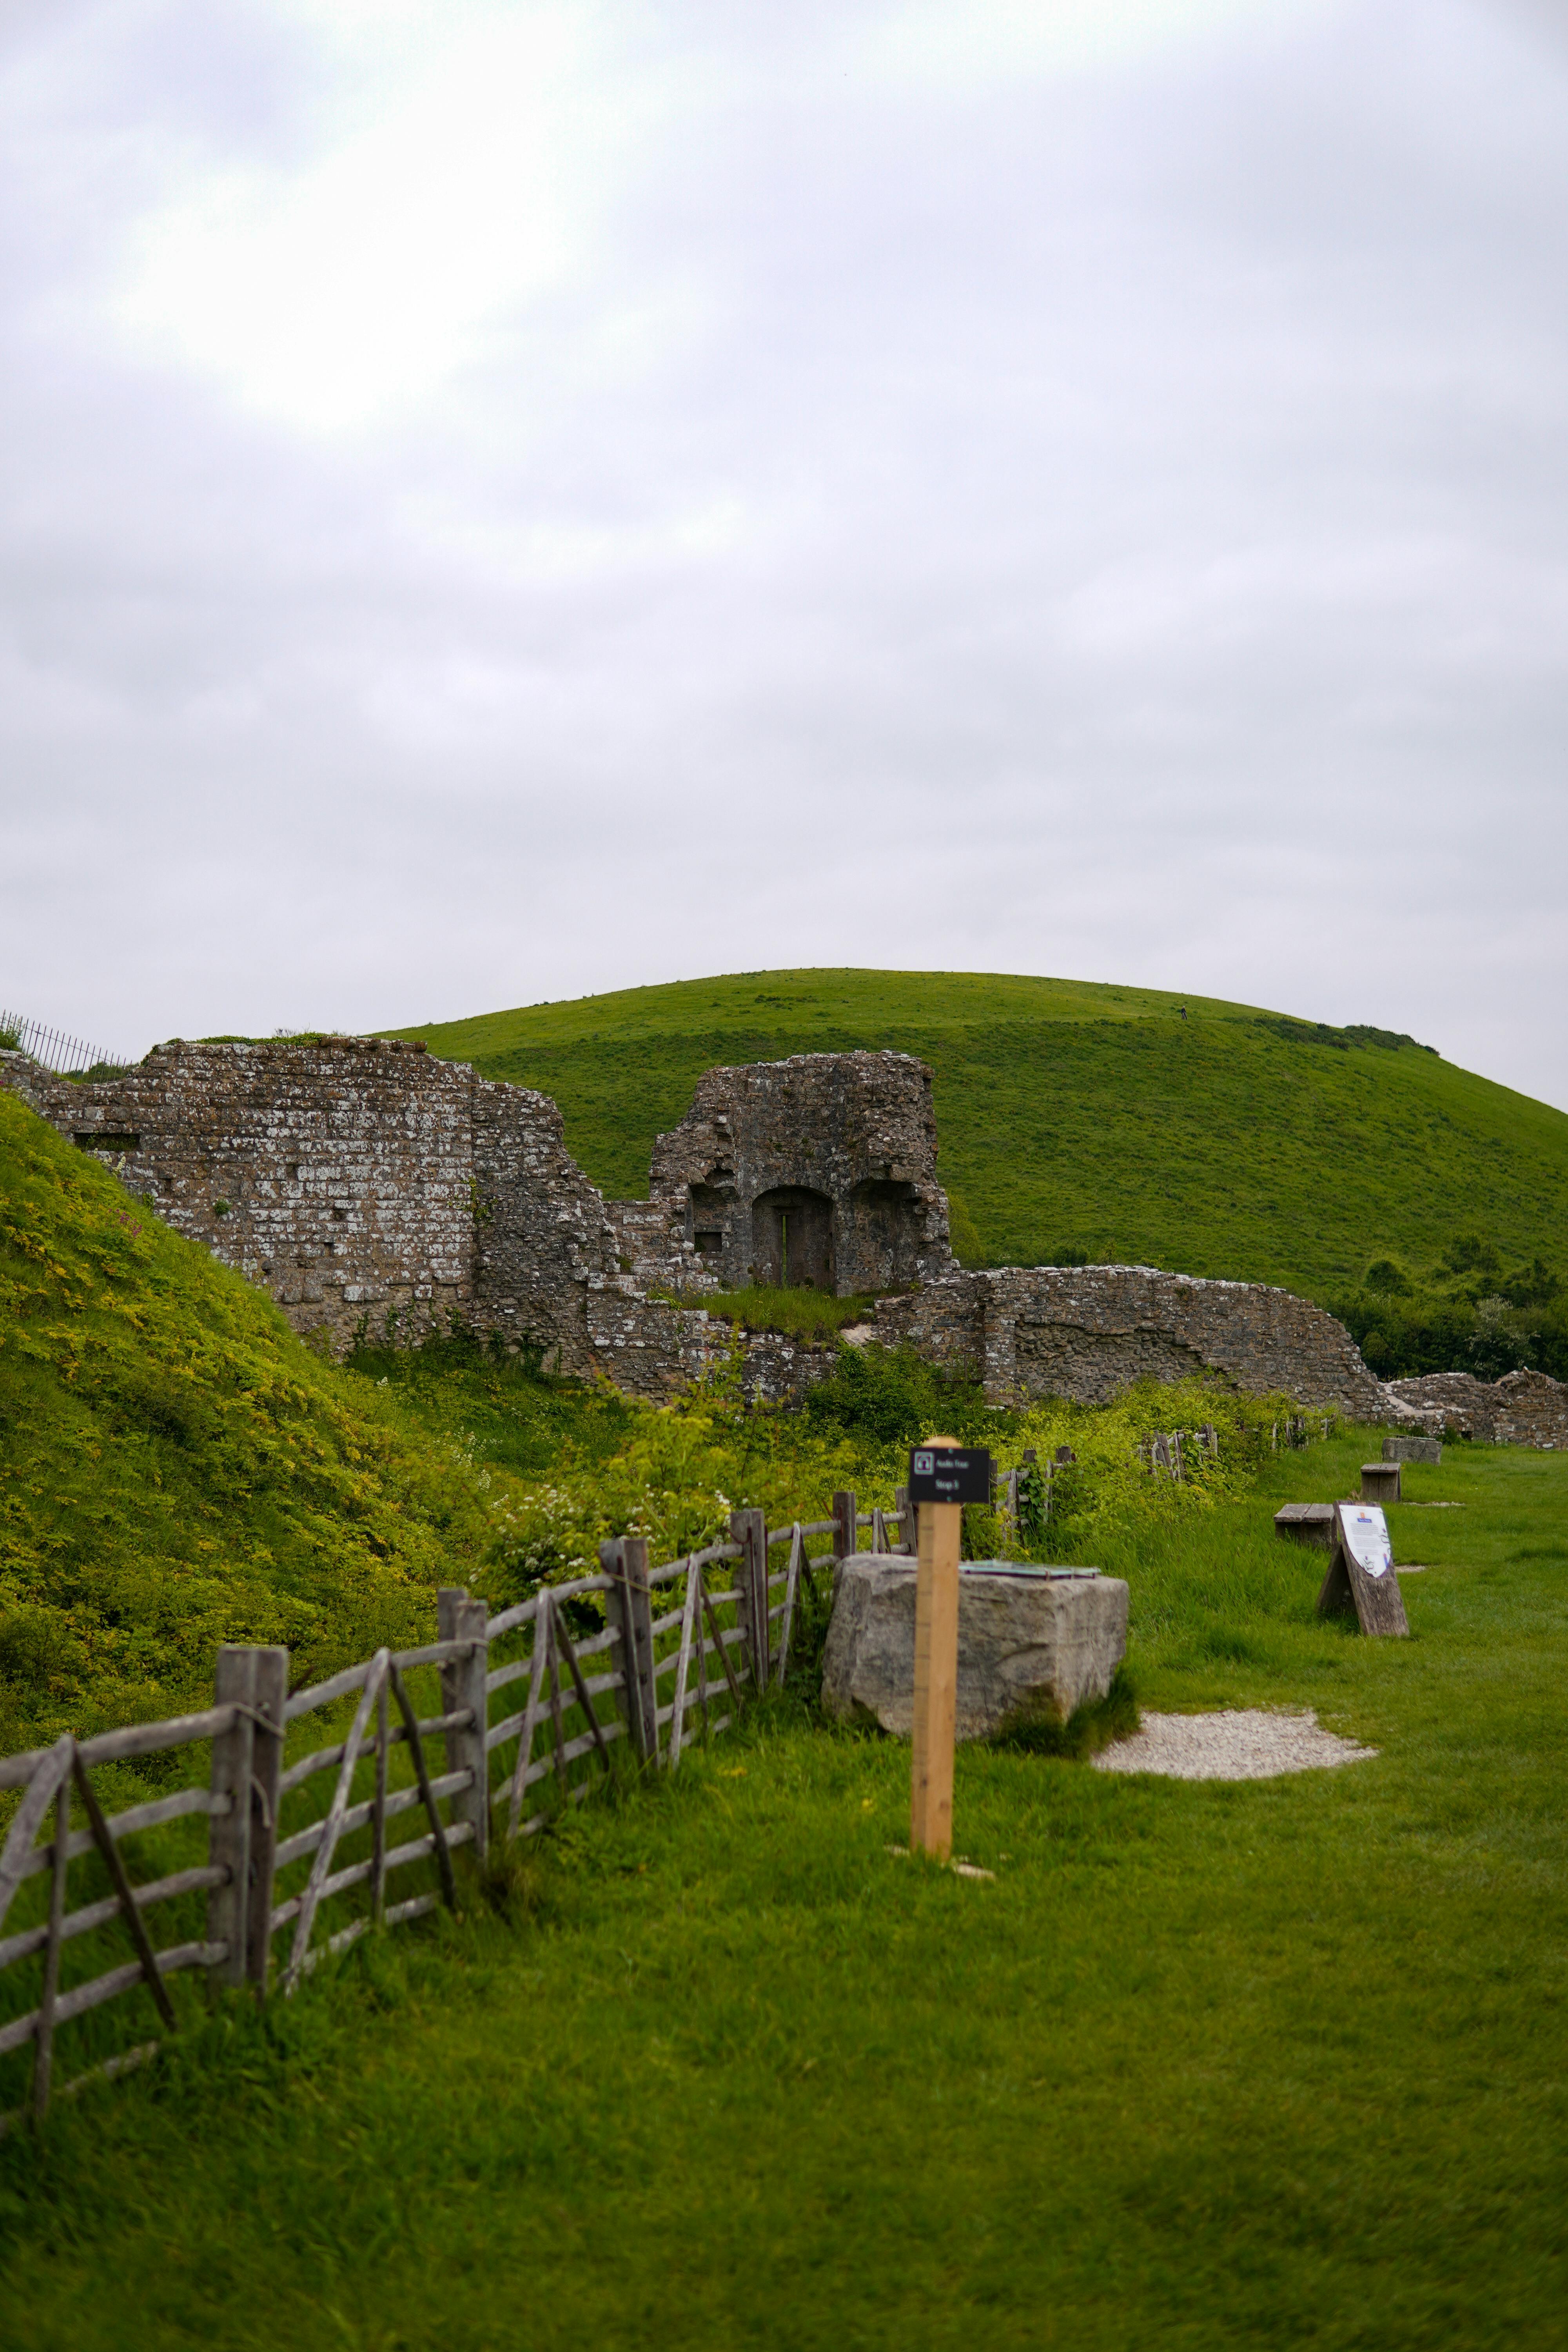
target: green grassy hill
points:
(1079, 1121)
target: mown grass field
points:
(1203, 2064)
(1078, 1120)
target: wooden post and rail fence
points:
(303, 1799)
(306, 1847)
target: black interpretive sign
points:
(950, 1473)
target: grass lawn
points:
(1205, 2065)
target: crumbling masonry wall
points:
(337, 1176)
(373, 1189)
(818, 1169)
(1088, 1332)
(1521, 1409)
(377, 1191)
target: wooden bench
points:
(1308, 1523)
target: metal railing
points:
(64, 1056)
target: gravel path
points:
(1245, 1744)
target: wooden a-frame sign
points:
(1361, 1575)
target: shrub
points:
(1501, 1342)
(881, 1397)
(1387, 1279)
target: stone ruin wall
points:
(338, 1177)
(377, 1192)
(1088, 1332)
(1521, 1409)
(818, 1169)
(372, 1189)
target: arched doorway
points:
(792, 1238)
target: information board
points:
(950, 1473)
(1365, 1531)
(1361, 1574)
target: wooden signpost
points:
(1361, 1574)
(943, 1476)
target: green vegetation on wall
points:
(1080, 1123)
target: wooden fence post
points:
(246, 1766)
(906, 1511)
(266, 1774)
(846, 1536)
(458, 1619)
(630, 1609)
(750, 1530)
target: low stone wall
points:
(1088, 1332)
(777, 1370)
(644, 1346)
(1521, 1409)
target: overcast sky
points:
(500, 502)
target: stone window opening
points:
(103, 1138)
(707, 1209)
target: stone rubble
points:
(1521, 1409)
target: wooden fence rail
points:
(302, 1814)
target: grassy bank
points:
(177, 1470)
(1090, 1122)
(1201, 2066)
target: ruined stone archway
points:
(792, 1238)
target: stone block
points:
(1412, 1449)
(1024, 1637)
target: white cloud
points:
(985, 42)
(349, 288)
(501, 502)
